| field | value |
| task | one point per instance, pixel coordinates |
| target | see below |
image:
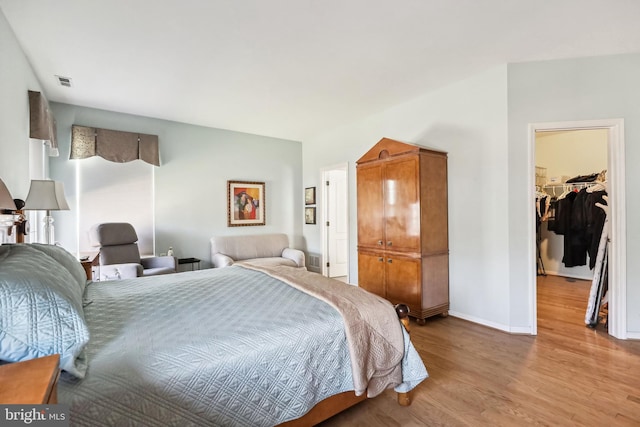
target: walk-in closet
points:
(571, 223)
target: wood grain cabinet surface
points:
(33, 381)
(403, 243)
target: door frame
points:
(616, 189)
(324, 174)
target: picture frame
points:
(310, 196)
(245, 203)
(310, 215)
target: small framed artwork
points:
(310, 196)
(245, 203)
(310, 215)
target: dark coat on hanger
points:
(581, 222)
(575, 239)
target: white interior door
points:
(337, 222)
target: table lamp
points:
(7, 206)
(48, 196)
(6, 201)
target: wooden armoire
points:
(403, 242)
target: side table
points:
(33, 381)
(89, 261)
(191, 261)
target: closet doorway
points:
(565, 155)
(561, 151)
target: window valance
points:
(42, 124)
(113, 145)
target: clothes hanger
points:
(598, 186)
(566, 190)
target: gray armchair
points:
(119, 254)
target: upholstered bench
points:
(257, 249)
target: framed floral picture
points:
(245, 203)
(310, 215)
(310, 196)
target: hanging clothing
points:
(553, 210)
(542, 208)
(542, 213)
(575, 216)
(580, 221)
(575, 247)
(563, 214)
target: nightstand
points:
(91, 261)
(33, 381)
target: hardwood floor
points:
(568, 375)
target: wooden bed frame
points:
(335, 404)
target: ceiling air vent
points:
(64, 81)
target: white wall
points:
(575, 89)
(568, 153)
(469, 121)
(16, 78)
(191, 183)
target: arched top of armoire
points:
(388, 147)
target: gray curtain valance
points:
(42, 125)
(113, 145)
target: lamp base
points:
(48, 230)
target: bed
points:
(236, 346)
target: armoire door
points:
(403, 281)
(371, 267)
(370, 206)
(402, 205)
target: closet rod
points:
(577, 185)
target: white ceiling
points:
(294, 68)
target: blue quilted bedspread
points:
(223, 347)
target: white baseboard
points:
(494, 325)
(633, 335)
(515, 330)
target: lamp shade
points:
(6, 201)
(46, 195)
